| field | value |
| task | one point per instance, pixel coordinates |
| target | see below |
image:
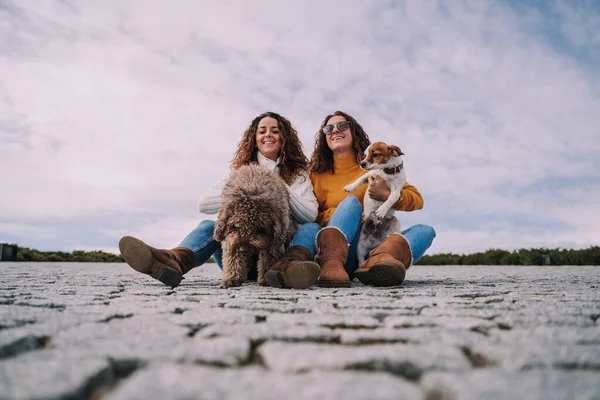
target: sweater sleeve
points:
(303, 203)
(211, 201)
(410, 199)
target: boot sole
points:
(299, 276)
(380, 275)
(138, 256)
(274, 279)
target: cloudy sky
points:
(116, 115)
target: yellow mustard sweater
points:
(329, 189)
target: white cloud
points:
(125, 112)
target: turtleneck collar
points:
(344, 163)
(267, 162)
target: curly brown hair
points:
(322, 157)
(292, 159)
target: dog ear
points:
(395, 151)
(221, 225)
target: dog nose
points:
(363, 164)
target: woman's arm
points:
(410, 198)
(210, 202)
(303, 203)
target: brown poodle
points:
(254, 218)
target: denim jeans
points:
(347, 218)
(202, 243)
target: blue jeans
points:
(347, 218)
(202, 243)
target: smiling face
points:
(268, 138)
(340, 143)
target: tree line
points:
(589, 256)
(27, 254)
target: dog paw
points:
(262, 282)
(231, 283)
(348, 188)
(380, 213)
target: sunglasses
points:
(342, 126)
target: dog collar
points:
(392, 171)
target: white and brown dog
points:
(384, 161)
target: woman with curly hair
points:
(270, 141)
(339, 148)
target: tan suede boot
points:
(295, 269)
(168, 266)
(387, 263)
(332, 255)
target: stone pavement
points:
(103, 331)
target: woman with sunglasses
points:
(339, 147)
(269, 141)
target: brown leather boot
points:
(168, 266)
(387, 263)
(332, 255)
(295, 269)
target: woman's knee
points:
(427, 230)
(309, 228)
(423, 230)
(207, 225)
(347, 217)
(348, 209)
(350, 202)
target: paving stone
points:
(443, 310)
(183, 382)
(550, 335)
(440, 336)
(30, 337)
(14, 316)
(527, 354)
(53, 375)
(145, 340)
(268, 307)
(192, 315)
(409, 361)
(328, 320)
(451, 322)
(537, 315)
(259, 332)
(492, 384)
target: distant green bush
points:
(589, 256)
(27, 254)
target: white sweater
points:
(303, 203)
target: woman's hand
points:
(378, 189)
